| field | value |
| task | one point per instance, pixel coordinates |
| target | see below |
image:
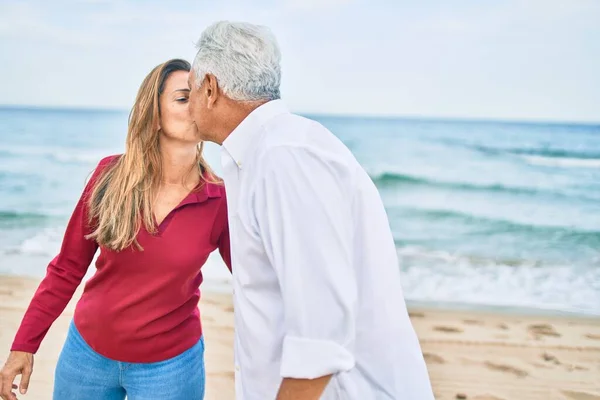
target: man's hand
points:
(302, 389)
(18, 363)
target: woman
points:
(156, 213)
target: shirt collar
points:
(245, 134)
(205, 190)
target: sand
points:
(470, 354)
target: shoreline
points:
(525, 311)
(223, 286)
(480, 354)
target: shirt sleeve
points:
(304, 219)
(63, 275)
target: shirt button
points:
(237, 368)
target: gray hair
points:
(245, 59)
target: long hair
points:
(122, 197)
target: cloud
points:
(463, 58)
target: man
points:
(319, 310)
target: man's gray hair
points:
(245, 59)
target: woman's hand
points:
(18, 363)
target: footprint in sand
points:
(506, 368)
(473, 322)
(540, 365)
(580, 395)
(447, 329)
(431, 358)
(462, 396)
(550, 358)
(592, 336)
(573, 367)
(416, 315)
(543, 330)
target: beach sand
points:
(470, 354)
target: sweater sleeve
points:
(63, 274)
(224, 241)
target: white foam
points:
(447, 278)
(565, 162)
(45, 243)
(427, 276)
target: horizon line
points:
(414, 117)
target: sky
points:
(503, 59)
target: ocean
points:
(484, 214)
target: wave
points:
(528, 151)
(548, 157)
(425, 255)
(539, 156)
(445, 278)
(564, 162)
(492, 226)
(45, 242)
(15, 216)
(392, 178)
(63, 155)
(556, 153)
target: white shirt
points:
(316, 279)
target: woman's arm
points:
(63, 275)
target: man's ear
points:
(211, 88)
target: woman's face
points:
(176, 123)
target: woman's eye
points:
(182, 99)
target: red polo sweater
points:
(140, 306)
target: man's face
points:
(198, 106)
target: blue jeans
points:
(83, 374)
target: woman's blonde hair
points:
(123, 195)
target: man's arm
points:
(302, 389)
(305, 222)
